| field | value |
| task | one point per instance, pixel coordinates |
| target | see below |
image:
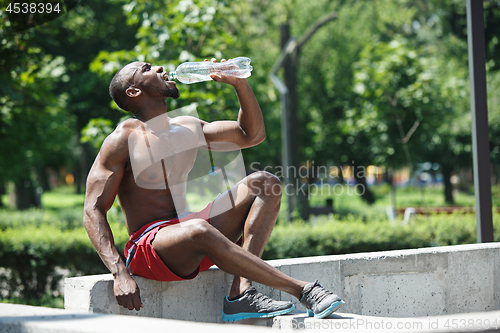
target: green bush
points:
(32, 253)
(36, 246)
(329, 236)
(68, 218)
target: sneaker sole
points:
(248, 315)
(325, 313)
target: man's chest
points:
(157, 155)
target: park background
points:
(379, 85)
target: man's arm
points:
(248, 130)
(102, 186)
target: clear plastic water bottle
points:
(192, 72)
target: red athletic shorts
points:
(145, 261)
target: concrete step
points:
(405, 283)
(348, 322)
(265, 322)
(23, 319)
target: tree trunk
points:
(494, 170)
(25, 194)
(389, 176)
(2, 192)
(81, 167)
(290, 68)
(366, 195)
(448, 186)
(42, 179)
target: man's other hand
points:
(220, 77)
(127, 292)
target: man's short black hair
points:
(119, 84)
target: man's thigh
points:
(230, 210)
(174, 245)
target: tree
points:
(79, 37)
(327, 82)
(34, 126)
(51, 94)
(292, 48)
(407, 109)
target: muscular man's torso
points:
(161, 154)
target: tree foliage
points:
(30, 110)
(383, 76)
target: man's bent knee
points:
(265, 183)
(200, 231)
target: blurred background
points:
(379, 110)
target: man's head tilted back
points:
(140, 79)
(118, 86)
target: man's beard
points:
(171, 92)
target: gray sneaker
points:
(318, 301)
(254, 305)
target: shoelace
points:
(261, 298)
(319, 293)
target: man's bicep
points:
(223, 131)
(102, 186)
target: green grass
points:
(56, 199)
(62, 198)
(5, 200)
(412, 197)
(196, 201)
(350, 202)
(345, 199)
(49, 301)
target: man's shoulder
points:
(117, 142)
(128, 126)
(123, 131)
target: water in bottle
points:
(192, 72)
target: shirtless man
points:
(167, 243)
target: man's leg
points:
(256, 202)
(183, 246)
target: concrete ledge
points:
(406, 283)
(347, 322)
(27, 319)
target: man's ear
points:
(133, 92)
